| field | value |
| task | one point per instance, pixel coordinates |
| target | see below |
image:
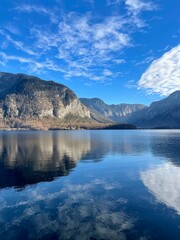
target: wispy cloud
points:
(83, 46)
(78, 45)
(18, 45)
(12, 28)
(33, 65)
(163, 75)
(5, 58)
(145, 61)
(135, 7)
(38, 9)
(83, 37)
(130, 84)
(113, 2)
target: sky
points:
(122, 51)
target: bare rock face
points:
(116, 112)
(27, 97)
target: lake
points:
(94, 185)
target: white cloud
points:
(39, 67)
(83, 45)
(18, 45)
(107, 73)
(118, 61)
(6, 58)
(130, 84)
(113, 2)
(33, 65)
(163, 75)
(38, 9)
(79, 31)
(137, 6)
(12, 29)
(145, 61)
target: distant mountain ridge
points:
(163, 113)
(115, 112)
(160, 114)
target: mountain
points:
(160, 114)
(26, 99)
(117, 113)
(164, 113)
(27, 96)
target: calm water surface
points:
(80, 185)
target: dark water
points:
(90, 185)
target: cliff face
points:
(26, 97)
(117, 113)
(163, 113)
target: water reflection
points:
(163, 182)
(102, 199)
(33, 157)
(166, 144)
(72, 211)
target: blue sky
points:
(117, 50)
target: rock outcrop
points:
(24, 98)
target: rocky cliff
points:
(24, 98)
(117, 113)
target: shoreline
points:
(78, 129)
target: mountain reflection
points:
(167, 145)
(33, 157)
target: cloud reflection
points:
(163, 182)
(71, 211)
